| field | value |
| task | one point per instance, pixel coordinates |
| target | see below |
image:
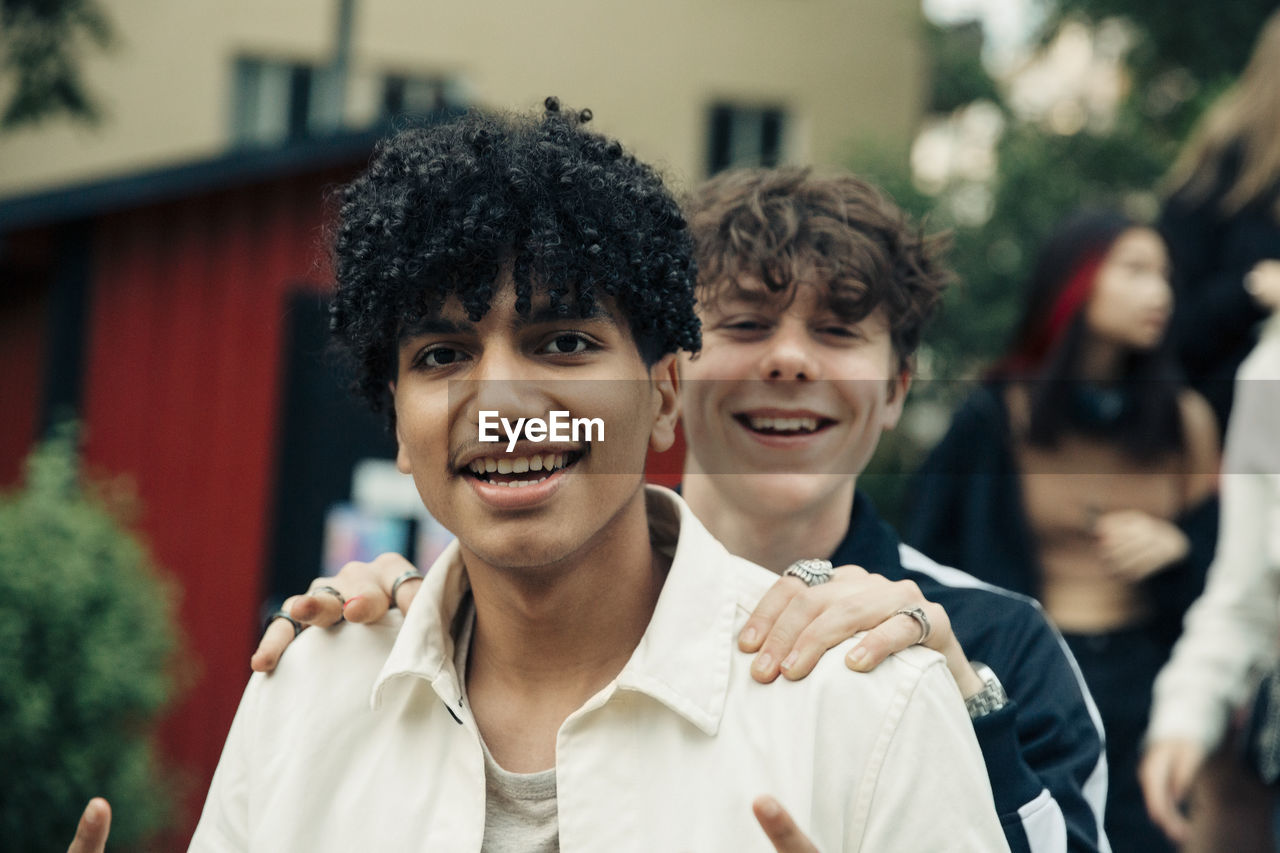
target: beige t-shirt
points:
(519, 808)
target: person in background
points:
(1222, 219)
(1230, 631)
(813, 290)
(1083, 474)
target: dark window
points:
(419, 95)
(277, 101)
(744, 136)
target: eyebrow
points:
(436, 325)
(554, 314)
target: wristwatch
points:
(990, 698)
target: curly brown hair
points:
(791, 225)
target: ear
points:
(898, 388)
(664, 376)
(402, 458)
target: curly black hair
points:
(442, 209)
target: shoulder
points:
(1005, 630)
(1011, 634)
(330, 667)
(966, 597)
(748, 580)
(977, 430)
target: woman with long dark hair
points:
(1082, 473)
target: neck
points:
(559, 633)
(757, 530)
(1100, 362)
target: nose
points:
(788, 354)
(501, 382)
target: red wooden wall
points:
(181, 392)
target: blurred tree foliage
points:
(1181, 55)
(41, 47)
(86, 647)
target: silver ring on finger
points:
(412, 574)
(283, 614)
(342, 600)
(812, 572)
(917, 613)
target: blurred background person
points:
(1222, 219)
(1230, 632)
(1082, 474)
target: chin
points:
(516, 550)
(786, 493)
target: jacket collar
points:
(683, 659)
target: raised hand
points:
(95, 824)
(794, 625)
(360, 592)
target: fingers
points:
(1162, 797)
(771, 605)
(275, 640)
(360, 592)
(391, 568)
(801, 611)
(816, 619)
(895, 634)
(1166, 773)
(781, 829)
(320, 607)
(95, 824)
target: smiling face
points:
(1132, 300)
(788, 399)
(558, 497)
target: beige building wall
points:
(844, 71)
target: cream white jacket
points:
(1232, 630)
(363, 739)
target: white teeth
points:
(520, 484)
(784, 424)
(518, 465)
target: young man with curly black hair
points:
(569, 677)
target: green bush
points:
(86, 644)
